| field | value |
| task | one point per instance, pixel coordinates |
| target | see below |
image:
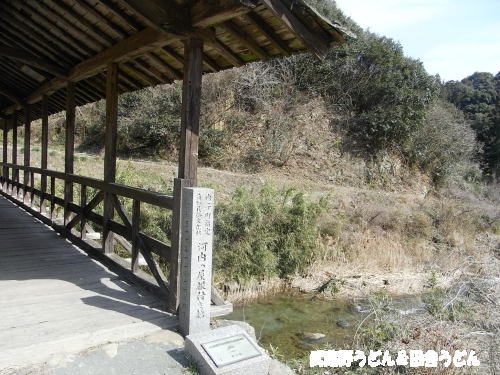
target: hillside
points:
(383, 160)
(357, 176)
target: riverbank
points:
(342, 285)
(380, 226)
(463, 316)
(337, 281)
(294, 323)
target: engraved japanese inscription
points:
(196, 259)
(229, 350)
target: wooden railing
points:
(76, 216)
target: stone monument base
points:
(227, 351)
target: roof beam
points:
(209, 37)
(30, 59)
(206, 13)
(243, 38)
(268, 31)
(166, 14)
(283, 9)
(158, 14)
(129, 48)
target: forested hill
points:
(478, 96)
(366, 99)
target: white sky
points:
(453, 38)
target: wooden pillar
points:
(44, 150)
(188, 155)
(69, 149)
(190, 117)
(110, 150)
(175, 259)
(4, 159)
(15, 172)
(27, 150)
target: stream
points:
(286, 321)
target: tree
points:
(478, 97)
(384, 93)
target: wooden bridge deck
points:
(54, 299)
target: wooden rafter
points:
(202, 14)
(315, 42)
(126, 49)
(65, 29)
(267, 30)
(157, 68)
(210, 38)
(24, 15)
(211, 12)
(74, 40)
(30, 59)
(239, 35)
(166, 14)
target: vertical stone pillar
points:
(196, 259)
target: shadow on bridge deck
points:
(55, 300)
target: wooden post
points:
(32, 188)
(69, 150)
(15, 172)
(27, 150)
(5, 169)
(190, 117)
(136, 218)
(83, 203)
(188, 157)
(44, 151)
(53, 194)
(174, 261)
(110, 151)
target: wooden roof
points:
(46, 43)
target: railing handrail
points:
(142, 195)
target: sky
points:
(453, 38)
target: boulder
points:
(342, 324)
(311, 337)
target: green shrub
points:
(441, 304)
(444, 145)
(332, 286)
(383, 327)
(212, 144)
(478, 96)
(384, 94)
(265, 234)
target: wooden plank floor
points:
(56, 300)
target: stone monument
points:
(221, 351)
(196, 259)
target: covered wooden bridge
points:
(59, 54)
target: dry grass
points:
(395, 233)
(464, 317)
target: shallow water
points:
(279, 321)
